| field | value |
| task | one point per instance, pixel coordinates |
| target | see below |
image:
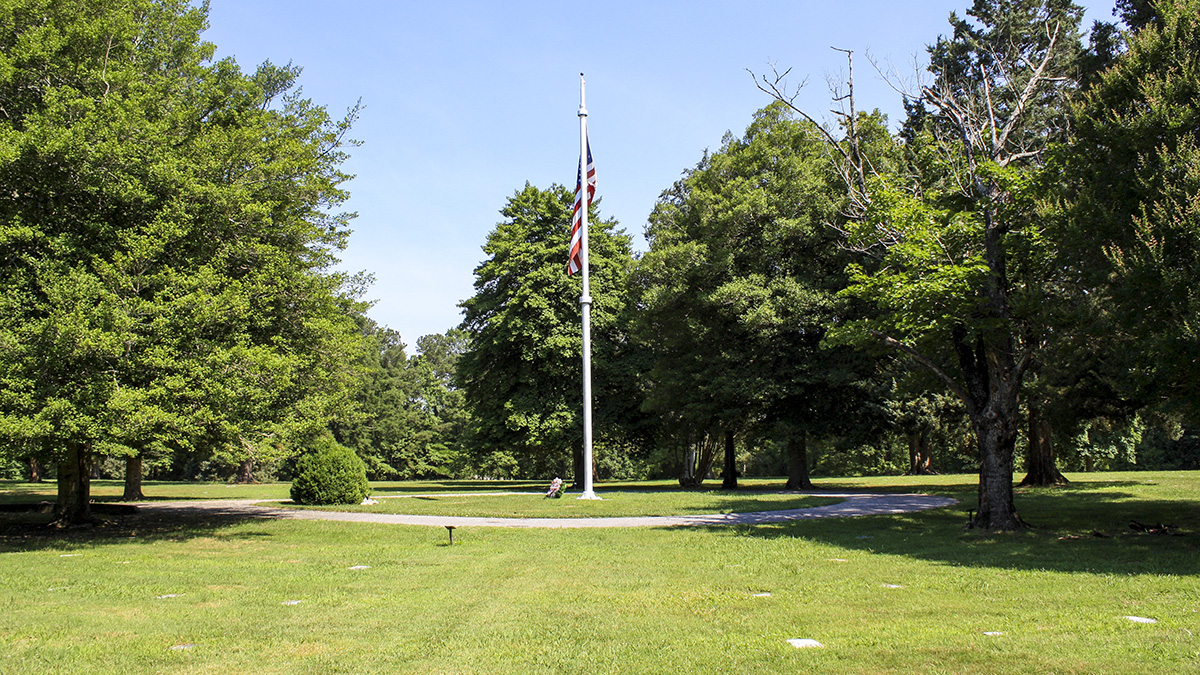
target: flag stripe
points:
(575, 259)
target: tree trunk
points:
(920, 456)
(35, 470)
(95, 470)
(996, 508)
(797, 461)
(729, 480)
(245, 472)
(697, 461)
(1041, 465)
(993, 382)
(74, 486)
(133, 479)
(1089, 464)
(687, 471)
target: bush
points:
(330, 474)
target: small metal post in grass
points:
(450, 529)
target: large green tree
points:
(740, 283)
(521, 373)
(1132, 232)
(167, 238)
(960, 279)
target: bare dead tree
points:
(848, 159)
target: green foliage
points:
(329, 473)
(739, 288)
(1168, 449)
(1104, 444)
(962, 269)
(1133, 232)
(884, 455)
(521, 373)
(410, 415)
(168, 227)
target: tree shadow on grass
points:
(31, 531)
(1073, 530)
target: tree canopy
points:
(739, 287)
(1017, 260)
(168, 226)
(521, 371)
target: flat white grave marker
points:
(804, 643)
(1141, 619)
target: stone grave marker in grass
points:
(804, 643)
(1141, 619)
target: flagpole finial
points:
(582, 102)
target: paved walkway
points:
(855, 504)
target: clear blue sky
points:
(466, 101)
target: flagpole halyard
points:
(585, 300)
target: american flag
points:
(575, 261)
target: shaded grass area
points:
(1091, 502)
(614, 503)
(12, 492)
(111, 490)
(624, 601)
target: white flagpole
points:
(585, 301)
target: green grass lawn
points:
(111, 490)
(883, 594)
(612, 503)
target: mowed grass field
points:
(882, 594)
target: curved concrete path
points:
(855, 504)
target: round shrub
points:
(330, 474)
